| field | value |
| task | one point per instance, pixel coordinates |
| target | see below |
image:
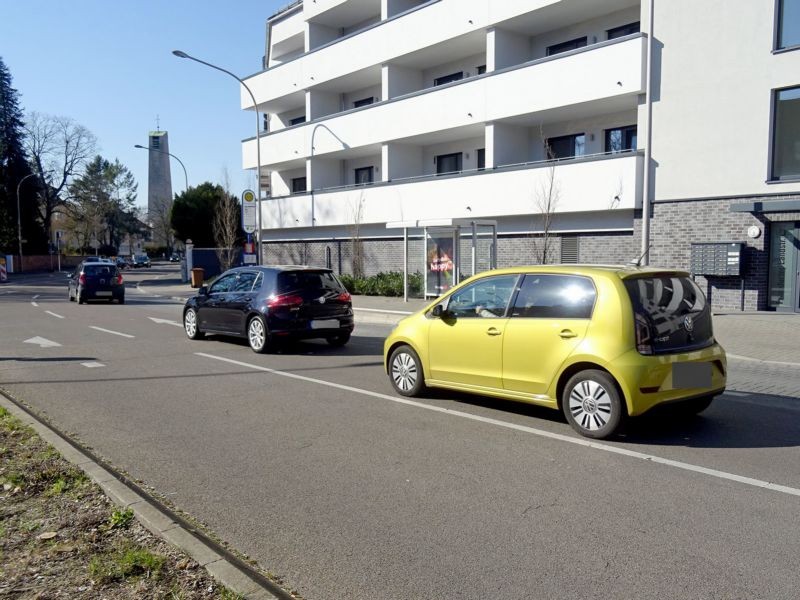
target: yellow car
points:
(601, 343)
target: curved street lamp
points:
(185, 176)
(181, 54)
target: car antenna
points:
(638, 262)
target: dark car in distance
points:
(271, 304)
(140, 260)
(93, 280)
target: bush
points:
(382, 284)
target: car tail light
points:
(285, 301)
(119, 279)
(344, 297)
(82, 279)
(644, 342)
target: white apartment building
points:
(429, 113)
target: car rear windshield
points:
(99, 269)
(676, 311)
(292, 281)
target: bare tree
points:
(357, 244)
(545, 202)
(58, 148)
(226, 224)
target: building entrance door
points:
(784, 267)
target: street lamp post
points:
(19, 220)
(185, 176)
(181, 54)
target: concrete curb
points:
(148, 514)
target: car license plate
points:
(102, 293)
(691, 375)
(325, 324)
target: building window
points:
(448, 78)
(566, 46)
(299, 185)
(788, 23)
(566, 146)
(621, 139)
(786, 134)
(622, 31)
(448, 163)
(297, 120)
(481, 159)
(363, 102)
(365, 175)
(481, 69)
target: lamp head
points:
(180, 54)
(140, 146)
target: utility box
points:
(718, 259)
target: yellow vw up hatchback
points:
(601, 343)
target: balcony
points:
(599, 183)
(598, 79)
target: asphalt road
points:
(308, 462)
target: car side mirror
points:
(439, 311)
(203, 291)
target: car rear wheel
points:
(191, 325)
(592, 404)
(81, 298)
(339, 340)
(257, 335)
(122, 300)
(69, 295)
(405, 371)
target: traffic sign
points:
(249, 211)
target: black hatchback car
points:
(270, 304)
(94, 280)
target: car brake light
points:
(82, 279)
(286, 300)
(119, 279)
(344, 297)
(644, 343)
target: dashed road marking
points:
(49, 312)
(93, 364)
(532, 430)
(125, 335)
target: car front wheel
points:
(592, 404)
(191, 325)
(257, 335)
(405, 371)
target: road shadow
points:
(357, 346)
(46, 359)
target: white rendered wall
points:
(582, 187)
(373, 92)
(506, 48)
(397, 80)
(594, 30)
(402, 160)
(506, 144)
(712, 98)
(468, 66)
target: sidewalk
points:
(756, 336)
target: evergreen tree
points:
(13, 168)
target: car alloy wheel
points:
(257, 334)
(190, 325)
(405, 371)
(592, 404)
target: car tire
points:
(69, 295)
(81, 298)
(121, 300)
(191, 325)
(405, 372)
(257, 334)
(592, 404)
(338, 341)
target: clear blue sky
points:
(108, 65)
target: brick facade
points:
(674, 227)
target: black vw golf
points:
(270, 304)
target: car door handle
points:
(567, 333)
(492, 331)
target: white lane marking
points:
(54, 314)
(766, 362)
(42, 342)
(126, 335)
(93, 365)
(36, 296)
(165, 322)
(378, 310)
(540, 432)
(740, 394)
(36, 304)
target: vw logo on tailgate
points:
(688, 323)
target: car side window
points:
(555, 297)
(487, 298)
(257, 283)
(243, 282)
(223, 284)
